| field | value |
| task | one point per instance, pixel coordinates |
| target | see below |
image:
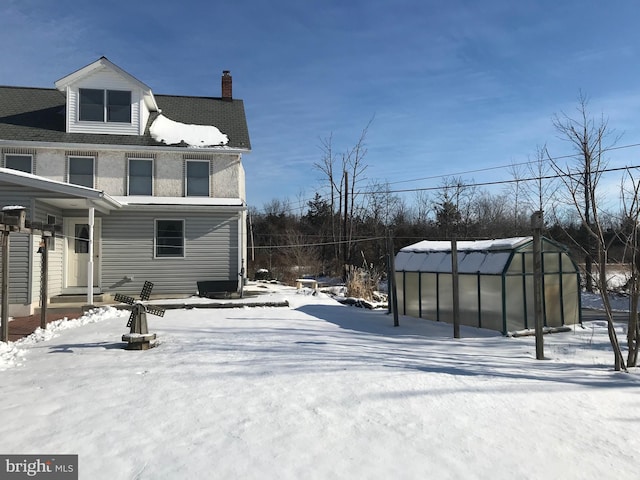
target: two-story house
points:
(147, 187)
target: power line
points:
(497, 182)
(337, 242)
(302, 203)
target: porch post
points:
(4, 328)
(92, 211)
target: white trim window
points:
(169, 238)
(23, 163)
(140, 179)
(197, 178)
(96, 105)
(81, 171)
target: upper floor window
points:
(105, 105)
(81, 171)
(140, 176)
(197, 178)
(24, 163)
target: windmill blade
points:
(155, 310)
(131, 318)
(146, 290)
(124, 299)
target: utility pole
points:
(455, 286)
(536, 225)
(393, 292)
(345, 253)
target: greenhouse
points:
(495, 279)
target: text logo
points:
(50, 467)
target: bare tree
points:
(327, 165)
(423, 208)
(454, 207)
(590, 139)
(344, 173)
(630, 232)
(517, 171)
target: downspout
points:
(92, 212)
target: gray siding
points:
(19, 248)
(211, 252)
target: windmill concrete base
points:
(139, 341)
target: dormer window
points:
(105, 105)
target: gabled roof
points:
(104, 63)
(38, 115)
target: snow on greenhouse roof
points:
(467, 245)
(482, 256)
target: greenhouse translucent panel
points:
(439, 262)
(552, 301)
(468, 287)
(470, 262)
(567, 265)
(551, 262)
(491, 301)
(445, 295)
(529, 299)
(411, 294)
(528, 262)
(400, 291)
(570, 292)
(401, 261)
(515, 304)
(429, 296)
(495, 262)
(516, 266)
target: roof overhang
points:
(60, 194)
(182, 203)
(125, 148)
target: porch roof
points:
(61, 194)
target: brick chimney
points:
(226, 85)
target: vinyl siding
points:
(211, 252)
(105, 80)
(19, 248)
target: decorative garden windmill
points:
(139, 337)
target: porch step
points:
(75, 299)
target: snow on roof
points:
(171, 132)
(467, 245)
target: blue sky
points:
(451, 85)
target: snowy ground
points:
(318, 390)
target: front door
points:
(77, 243)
